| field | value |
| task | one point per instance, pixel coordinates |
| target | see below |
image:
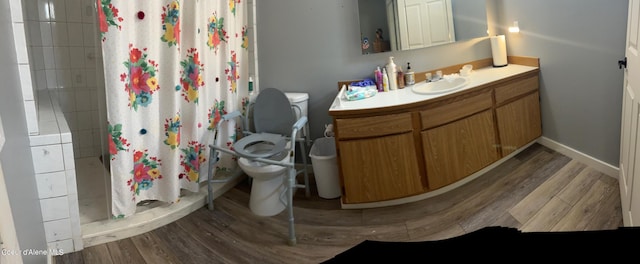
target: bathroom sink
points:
(441, 86)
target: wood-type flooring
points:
(537, 190)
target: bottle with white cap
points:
(392, 72)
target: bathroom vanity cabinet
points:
(394, 172)
(399, 147)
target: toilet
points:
(269, 181)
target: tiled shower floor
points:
(92, 179)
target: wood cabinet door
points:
(459, 149)
(378, 169)
(519, 122)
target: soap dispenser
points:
(409, 76)
(393, 77)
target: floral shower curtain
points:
(172, 68)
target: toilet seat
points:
(244, 146)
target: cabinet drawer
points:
(456, 110)
(516, 88)
(350, 128)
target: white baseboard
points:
(597, 164)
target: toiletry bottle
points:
(378, 77)
(400, 76)
(385, 80)
(391, 70)
(409, 76)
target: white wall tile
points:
(41, 79)
(71, 118)
(94, 98)
(67, 101)
(38, 58)
(74, 10)
(54, 208)
(47, 116)
(76, 57)
(76, 39)
(89, 34)
(65, 137)
(25, 81)
(72, 183)
(64, 128)
(88, 152)
(60, 34)
(97, 142)
(63, 246)
(20, 41)
(35, 37)
(64, 79)
(74, 217)
(58, 10)
(88, 11)
(62, 58)
(31, 9)
(47, 158)
(84, 120)
(43, 10)
(79, 80)
(91, 78)
(49, 58)
(42, 140)
(69, 159)
(51, 184)
(52, 78)
(90, 58)
(57, 230)
(83, 102)
(46, 34)
(32, 117)
(49, 128)
(85, 138)
(95, 116)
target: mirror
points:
(387, 25)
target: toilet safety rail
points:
(216, 148)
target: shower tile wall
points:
(66, 58)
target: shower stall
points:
(65, 59)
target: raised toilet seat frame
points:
(279, 143)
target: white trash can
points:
(325, 167)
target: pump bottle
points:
(393, 77)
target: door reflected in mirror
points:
(395, 25)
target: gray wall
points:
(16, 154)
(308, 46)
(579, 43)
(469, 18)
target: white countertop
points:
(407, 96)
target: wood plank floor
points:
(537, 190)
